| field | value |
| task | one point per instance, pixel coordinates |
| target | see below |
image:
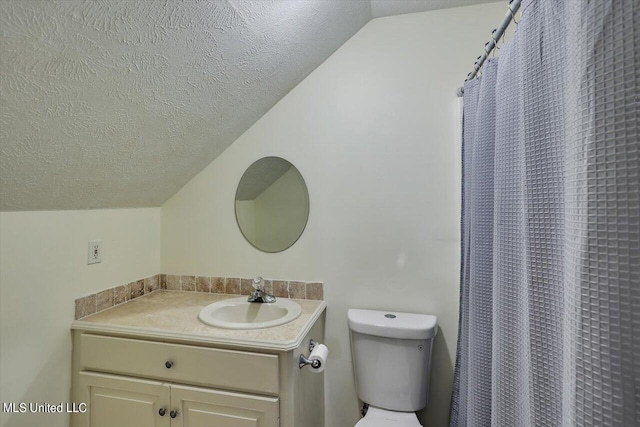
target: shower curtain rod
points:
(514, 6)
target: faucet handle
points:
(258, 284)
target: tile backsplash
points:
(120, 294)
(111, 297)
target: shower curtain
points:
(549, 331)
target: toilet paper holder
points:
(303, 361)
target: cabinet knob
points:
(168, 364)
(173, 413)
(162, 411)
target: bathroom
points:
(124, 123)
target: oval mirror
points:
(272, 204)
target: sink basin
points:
(238, 313)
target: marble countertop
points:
(174, 315)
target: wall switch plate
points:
(95, 252)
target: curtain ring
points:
(513, 17)
(478, 68)
(495, 42)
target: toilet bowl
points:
(378, 417)
(391, 353)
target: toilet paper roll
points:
(320, 353)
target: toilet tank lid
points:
(393, 324)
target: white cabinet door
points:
(199, 407)
(123, 402)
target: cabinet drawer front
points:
(211, 367)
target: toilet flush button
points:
(390, 316)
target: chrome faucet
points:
(258, 294)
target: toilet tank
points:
(391, 354)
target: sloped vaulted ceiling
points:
(108, 104)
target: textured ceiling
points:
(107, 104)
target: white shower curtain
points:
(549, 330)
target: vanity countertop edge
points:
(172, 315)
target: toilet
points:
(391, 354)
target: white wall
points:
(43, 269)
(373, 132)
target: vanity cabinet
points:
(137, 380)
